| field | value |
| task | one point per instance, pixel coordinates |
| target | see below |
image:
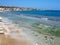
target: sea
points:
(45, 16)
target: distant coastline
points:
(11, 8)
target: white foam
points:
(36, 44)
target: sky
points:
(42, 4)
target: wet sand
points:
(7, 40)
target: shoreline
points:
(28, 32)
(30, 35)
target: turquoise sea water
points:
(50, 14)
(34, 16)
(55, 13)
